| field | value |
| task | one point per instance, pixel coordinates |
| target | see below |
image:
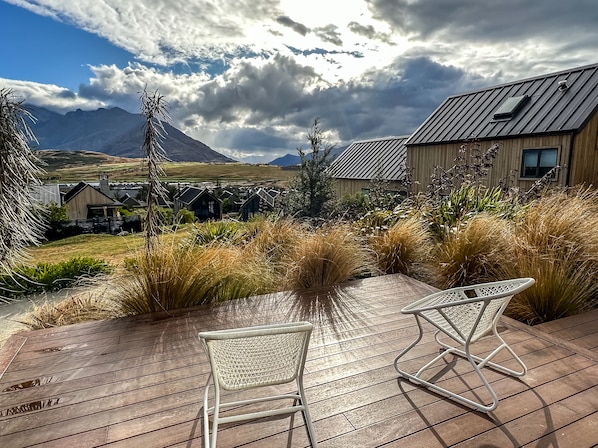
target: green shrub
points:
(224, 232)
(26, 280)
(185, 216)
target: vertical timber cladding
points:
(423, 158)
(584, 163)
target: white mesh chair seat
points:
(253, 357)
(465, 315)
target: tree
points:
(153, 108)
(313, 189)
(21, 222)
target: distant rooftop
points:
(383, 158)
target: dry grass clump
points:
(563, 225)
(564, 287)
(557, 244)
(474, 253)
(329, 256)
(276, 238)
(72, 310)
(181, 277)
(402, 248)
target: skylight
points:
(510, 107)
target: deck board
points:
(138, 381)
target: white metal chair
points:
(253, 357)
(465, 315)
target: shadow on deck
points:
(139, 381)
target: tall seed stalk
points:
(21, 224)
(154, 109)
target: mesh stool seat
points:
(465, 315)
(254, 357)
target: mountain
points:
(115, 132)
(290, 159)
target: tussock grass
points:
(564, 287)
(402, 248)
(181, 277)
(557, 244)
(83, 307)
(474, 252)
(275, 239)
(329, 256)
(563, 225)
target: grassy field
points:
(70, 166)
(110, 248)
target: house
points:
(201, 202)
(260, 202)
(538, 123)
(362, 161)
(84, 201)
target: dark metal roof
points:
(553, 107)
(383, 158)
(189, 195)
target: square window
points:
(536, 163)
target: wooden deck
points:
(138, 382)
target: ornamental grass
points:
(329, 256)
(403, 248)
(180, 277)
(473, 253)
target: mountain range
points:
(290, 159)
(115, 132)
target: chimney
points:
(104, 184)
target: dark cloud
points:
(264, 92)
(259, 140)
(329, 33)
(369, 32)
(493, 22)
(390, 101)
(295, 26)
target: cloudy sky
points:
(248, 77)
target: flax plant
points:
(403, 248)
(329, 256)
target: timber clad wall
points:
(344, 187)
(584, 165)
(507, 163)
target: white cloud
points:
(367, 68)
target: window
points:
(537, 162)
(510, 107)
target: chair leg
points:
(482, 362)
(311, 434)
(442, 391)
(206, 416)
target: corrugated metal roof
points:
(383, 158)
(550, 109)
